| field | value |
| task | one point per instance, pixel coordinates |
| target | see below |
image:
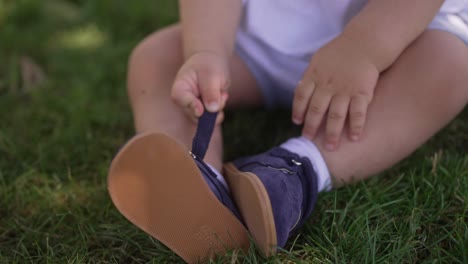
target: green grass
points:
(56, 142)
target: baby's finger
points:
(184, 97)
(335, 122)
(317, 107)
(357, 116)
(210, 88)
(301, 100)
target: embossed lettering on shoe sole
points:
(209, 237)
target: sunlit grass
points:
(87, 37)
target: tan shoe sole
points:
(155, 183)
(253, 202)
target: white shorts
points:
(278, 65)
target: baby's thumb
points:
(182, 94)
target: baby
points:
(370, 81)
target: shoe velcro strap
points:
(203, 134)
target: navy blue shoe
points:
(275, 192)
(175, 197)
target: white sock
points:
(219, 176)
(306, 148)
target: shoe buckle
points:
(296, 162)
(193, 155)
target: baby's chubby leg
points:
(152, 68)
(422, 91)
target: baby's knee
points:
(155, 58)
(455, 80)
(158, 51)
(161, 46)
(450, 64)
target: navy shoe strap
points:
(200, 143)
(203, 134)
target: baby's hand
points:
(202, 81)
(339, 84)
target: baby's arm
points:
(340, 80)
(385, 28)
(208, 30)
(209, 25)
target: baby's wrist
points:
(355, 46)
(219, 52)
(209, 56)
(373, 45)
